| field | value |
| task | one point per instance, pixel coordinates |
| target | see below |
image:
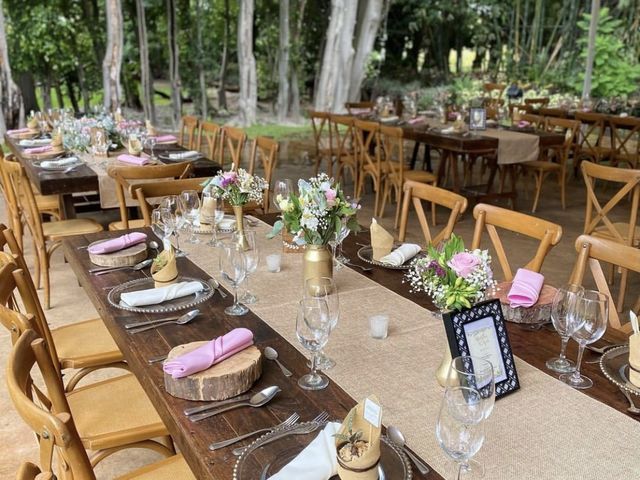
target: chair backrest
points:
(367, 134)
(123, 175)
(416, 192)
(29, 206)
(593, 250)
(342, 134)
(494, 88)
(232, 141)
(265, 150)
(392, 143)
(591, 132)
(566, 127)
(490, 218)
(10, 175)
(322, 134)
(535, 120)
(537, 102)
(208, 139)
(625, 133)
(353, 108)
(187, 132)
(552, 112)
(597, 214)
(29, 471)
(55, 430)
(9, 244)
(144, 191)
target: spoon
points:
(632, 406)
(153, 245)
(397, 437)
(183, 320)
(364, 269)
(271, 354)
(258, 400)
(216, 286)
(160, 320)
(136, 267)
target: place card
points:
(372, 413)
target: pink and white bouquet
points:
(238, 187)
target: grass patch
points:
(278, 132)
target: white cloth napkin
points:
(401, 254)
(35, 142)
(448, 130)
(227, 223)
(59, 163)
(154, 296)
(182, 155)
(317, 461)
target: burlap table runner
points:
(546, 430)
(514, 147)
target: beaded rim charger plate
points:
(366, 255)
(174, 305)
(614, 363)
(261, 460)
(57, 168)
(229, 220)
(168, 158)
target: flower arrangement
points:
(455, 278)
(317, 213)
(238, 187)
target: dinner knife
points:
(209, 406)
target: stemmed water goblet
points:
(213, 215)
(173, 218)
(252, 255)
(233, 270)
(313, 326)
(339, 259)
(283, 189)
(591, 318)
(476, 373)
(190, 203)
(324, 288)
(150, 142)
(562, 316)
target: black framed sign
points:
(477, 119)
(480, 331)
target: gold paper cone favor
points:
(151, 130)
(381, 240)
(32, 123)
(164, 269)
(134, 146)
(358, 445)
(56, 140)
(634, 359)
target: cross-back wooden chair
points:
(232, 142)
(494, 90)
(625, 135)
(355, 108)
(59, 426)
(589, 144)
(209, 139)
(415, 193)
(145, 191)
(552, 112)
(593, 250)
(392, 144)
(124, 176)
(490, 218)
(346, 156)
(537, 102)
(265, 151)
(323, 140)
(553, 160)
(367, 135)
(187, 132)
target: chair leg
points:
(376, 187)
(434, 220)
(398, 205)
(623, 288)
(385, 194)
(38, 263)
(563, 180)
(538, 177)
(47, 285)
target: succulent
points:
(351, 441)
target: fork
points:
(292, 420)
(364, 269)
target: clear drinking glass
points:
(313, 326)
(460, 427)
(150, 142)
(284, 188)
(324, 288)
(252, 254)
(562, 309)
(191, 208)
(476, 373)
(233, 269)
(592, 316)
(215, 214)
(339, 259)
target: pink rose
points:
(463, 263)
(330, 195)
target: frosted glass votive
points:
(273, 262)
(379, 326)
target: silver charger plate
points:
(206, 230)
(366, 255)
(57, 168)
(260, 463)
(614, 363)
(167, 157)
(174, 305)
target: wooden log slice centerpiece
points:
(126, 257)
(534, 315)
(226, 379)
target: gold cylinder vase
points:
(318, 262)
(241, 238)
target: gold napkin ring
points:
(358, 470)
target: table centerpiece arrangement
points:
(314, 216)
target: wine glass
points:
(313, 325)
(592, 316)
(283, 189)
(150, 142)
(460, 426)
(190, 203)
(324, 288)
(212, 212)
(252, 254)
(174, 218)
(160, 228)
(233, 269)
(562, 310)
(341, 259)
(476, 373)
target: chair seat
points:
(48, 202)
(119, 225)
(67, 228)
(114, 412)
(419, 176)
(622, 228)
(85, 344)
(172, 468)
(542, 165)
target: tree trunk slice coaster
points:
(226, 379)
(126, 257)
(534, 315)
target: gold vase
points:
(241, 238)
(443, 370)
(318, 262)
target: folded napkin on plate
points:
(210, 353)
(34, 142)
(448, 130)
(59, 163)
(132, 159)
(359, 111)
(417, 120)
(166, 138)
(182, 155)
(118, 243)
(401, 254)
(227, 223)
(525, 288)
(317, 461)
(381, 240)
(36, 150)
(18, 131)
(154, 296)
(523, 124)
(390, 119)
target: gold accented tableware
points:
(614, 363)
(366, 255)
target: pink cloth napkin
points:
(18, 131)
(119, 243)
(525, 288)
(417, 120)
(166, 138)
(523, 124)
(132, 159)
(33, 151)
(210, 353)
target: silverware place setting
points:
(151, 324)
(258, 400)
(396, 436)
(272, 354)
(216, 286)
(136, 267)
(292, 420)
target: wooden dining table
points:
(533, 346)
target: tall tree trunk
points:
(27, 86)
(204, 105)
(248, 100)
(10, 99)
(283, 63)
(46, 92)
(591, 48)
(91, 14)
(369, 25)
(86, 100)
(222, 95)
(174, 68)
(146, 80)
(333, 85)
(59, 96)
(294, 104)
(535, 31)
(72, 95)
(516, 29)
(112, 63)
